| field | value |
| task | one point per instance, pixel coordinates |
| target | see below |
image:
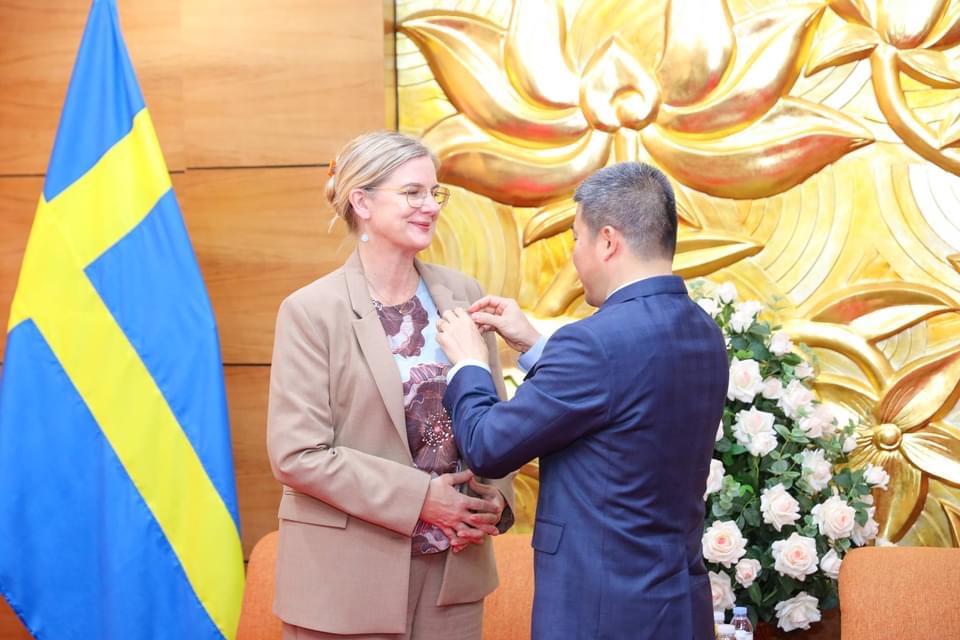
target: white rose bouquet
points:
(781, 509)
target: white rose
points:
(797, 612)
(723, 543)
(754, 430)
(778, 507)
(772, 388)
(722, 591)
(830, 564)
(745, 380)
(834, 517)
(740, 321)
(884, 542)
(796, 399)
(710, 306)
(803, 370)
(850, 443)
(747, 571)
(751, 308)
(876, 476)
(796, 556)
(780, 344)
(727, 292)
(816, 470)
(866, 533)
(715, 479)
(819, 423)
(719, 432)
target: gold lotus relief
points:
(753, 109)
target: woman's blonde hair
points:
(365, 162)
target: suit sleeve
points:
(504, 484)
(300, 435)
(562, 399)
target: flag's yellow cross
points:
(68, 234)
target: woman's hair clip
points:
(333, 167)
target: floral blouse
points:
(411, 328)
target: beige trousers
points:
(425, 620)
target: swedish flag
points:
(118, 513)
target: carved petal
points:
(551, 220)
(892, 320)
(931, 67)
(463, 52)
(846, 43)
(845, 341)
(792, 142)
(898, 506)
(771, 47)
(615, 90)
(952, 512)
(472, 159)
(853, 10)
(905, 23)
(935, 450)
(699, 254)
(853, 302)
(855, 398)
(947, 32)
(697, 46)
(564, 289)
(949, 133)
(954, 260)
(925, 390)
(535, 54)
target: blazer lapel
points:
(376, 349)
(443, 297)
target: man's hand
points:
(504, 316)
(468, 535)
(460, 338)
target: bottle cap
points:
(739, 611)
(718, 617)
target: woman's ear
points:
(359, 200)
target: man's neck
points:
(636, 271)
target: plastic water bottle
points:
(726, 632)
(741, 624)
(717, 621)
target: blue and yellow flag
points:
(118, 511)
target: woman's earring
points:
(364, 237)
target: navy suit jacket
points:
(622, 409)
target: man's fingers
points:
(488, 319)
(494, 302)
(485, 490)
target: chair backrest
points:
(257, 621)
(507, 611)
(908, 593)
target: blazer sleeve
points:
(504, 484)
(562, 399)
(300, 435)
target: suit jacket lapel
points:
(375, 347)
(443, 297)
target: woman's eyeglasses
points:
(416, 197)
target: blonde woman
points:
(379, 537)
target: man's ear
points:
(610, 241)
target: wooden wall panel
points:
(38, 45)
(18, 202)
(10, 626)
(259, 234)
(280, 83)
(258, 492)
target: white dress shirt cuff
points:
(528, 359)
(466, 363)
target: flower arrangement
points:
(782, 508)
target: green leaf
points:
(780, 466)
(754, 593)
(737, 448)
(782, 430)
(722, 445)
(862, 517)
(718, 511)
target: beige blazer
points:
(337, 440)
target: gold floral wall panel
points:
(815, 151)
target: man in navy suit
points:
(622, 410)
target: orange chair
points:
(506, 613)
(257, 621)
(907, 593)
